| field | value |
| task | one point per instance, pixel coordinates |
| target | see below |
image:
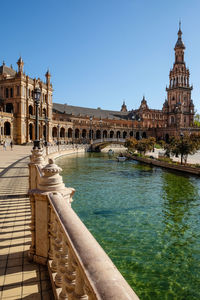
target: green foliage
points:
(142, 146)
(197, 120)
(187, 144)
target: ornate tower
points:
(124, 107)
(179, 106)
(20, 65)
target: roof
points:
(84, 111)
(6, 70)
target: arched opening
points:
(137, 135)
(105, 134)
(124, 134)
(172, 119)
(84, 133)
(111, 134)
(144, 135)
(118, 134)
(30, 110)
(62, 132)
(167, 138)
(30, 132)
(69, 133)
(131, 133)
(7, 127)
(76, 133)
(44, 112)
(98, 134)
(44, 132)
(9, 108)
(54, 132)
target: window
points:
(17, 90)
(7, 95)
(11, 92)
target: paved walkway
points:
(19, 279)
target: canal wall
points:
(171, 166)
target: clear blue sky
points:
(102, 51)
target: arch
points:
(77, 132)
(124, 134)
(9, 107)
(44, 131)
(7, 128)
(172, 119)
(84, 133)
(144, 135)
(70, 133)
(167, 138)
(131, 133)
(30, 110)
(118, 134)
(105, 134)
(111, 134)
(137, 135)
(98, 134)
(44, 112)
(54, 132)
(62, 132)
(30, 131)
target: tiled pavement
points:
(19, 279)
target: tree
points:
(197, 120)
(183, 145)
(131, 144)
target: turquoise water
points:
(147, 220)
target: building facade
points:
(65, 123)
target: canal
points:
(147, 219)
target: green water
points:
(146, 219)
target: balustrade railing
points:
(78, 266)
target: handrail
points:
(99, 277)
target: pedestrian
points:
(11, 145)
(4, 146)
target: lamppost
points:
(58, 135)
(133, 119)
(139, 120)
(46, 127)
(91, 135)
(37, 94)
(181, 136)
(100, 122)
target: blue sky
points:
(100, 52)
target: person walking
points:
(4, 146)
(11, 145)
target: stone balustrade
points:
(78, 266)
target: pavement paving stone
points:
(19, 278)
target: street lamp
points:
(133, 119)
(139, 120)
(37, 94)
(181, 136)
(46, 124)
(58, 135)
(91, 135)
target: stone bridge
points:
(98, 144)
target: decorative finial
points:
(179, 24)
(3, 63)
